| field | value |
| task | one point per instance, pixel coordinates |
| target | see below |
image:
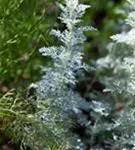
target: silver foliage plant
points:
(56, 88)
(57, 97)
(121, 58)
(121, 61)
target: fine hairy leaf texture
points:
(56, 88)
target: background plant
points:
(120, 60)
(21, 27)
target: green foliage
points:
(19, 121)
(21, 28)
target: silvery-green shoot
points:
(56, 87)
(121, 60)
